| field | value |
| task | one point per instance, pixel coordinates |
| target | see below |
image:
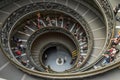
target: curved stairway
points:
(94, 21)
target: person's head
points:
(28, 22)
(38, 14)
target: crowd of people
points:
(19, 51)
(111, 53)
(60, 21)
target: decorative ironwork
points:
(107, 10)
(28, 9)
(25, 10)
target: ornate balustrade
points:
(109, 18)
(107, 11)
(17, 15)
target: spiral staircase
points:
(64, 26)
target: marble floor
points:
(58, 59)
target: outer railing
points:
(106, 8)
(109, 19)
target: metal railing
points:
(16, 16)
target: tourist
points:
(45, 56)
(18, 54)
(118, 35)
(53, 21)
(60, 18)
(66, 25)
(72, 61)
(81, 58)
(15, 39)
(113, 54)
(107, 56)
(24, 62)
(49, 21)
(65, 59)
(115, 10)
(107, 59)
(115, 41)
(38, 19)
(22, 48)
